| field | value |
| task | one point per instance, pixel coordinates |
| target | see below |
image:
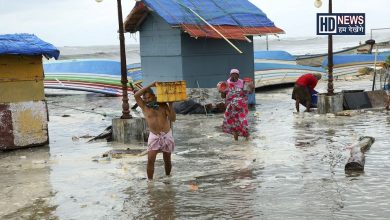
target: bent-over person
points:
(303, 89)
(158, 117)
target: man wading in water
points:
(158, 117)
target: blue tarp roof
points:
(26, 44)
(274, 55)
(216, 12)
(354, 58)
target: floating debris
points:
(124, 153)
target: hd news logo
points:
(341, 24)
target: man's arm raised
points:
(140, 92)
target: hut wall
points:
(23, 110)
(21, 78)
(160, 49)
(209, 61)
(167, 54)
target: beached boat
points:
(91, 75)
(352, 64)
(316, 59)
(279, 67)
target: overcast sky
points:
(86, 22)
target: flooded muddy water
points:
(291, 168)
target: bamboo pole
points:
(212, 27)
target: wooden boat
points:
(351, 64)
(316, 59)
(91, 75)
(279, 67)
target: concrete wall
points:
(134, 130)
(167, 54)
(23, 124)
(23, 110)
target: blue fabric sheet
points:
(26, 44)
(216, 12)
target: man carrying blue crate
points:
(158, 117)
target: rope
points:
(172, 16)
(212, 27)
(192, 19)
(82, 110)
(266, 27)
(239, 24)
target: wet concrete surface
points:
(293, 166)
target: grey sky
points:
(86, 22)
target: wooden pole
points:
(357, 159)
(124, 81)
(330, 58)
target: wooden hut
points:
(197, 41)
(23, 109)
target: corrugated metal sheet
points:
(230, 32)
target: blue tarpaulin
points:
(26, 44)
(216, 12)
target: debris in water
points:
(123, 153)
(86, 136)
(193, 187)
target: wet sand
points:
(293, 167)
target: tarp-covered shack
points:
(23, 109)
(187, 39)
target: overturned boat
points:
(90, 75)
(279, 67)
(316, 60)
(355, 64)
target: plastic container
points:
(248, 84)
(222, 86)
(171, 91)
(248, 80)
